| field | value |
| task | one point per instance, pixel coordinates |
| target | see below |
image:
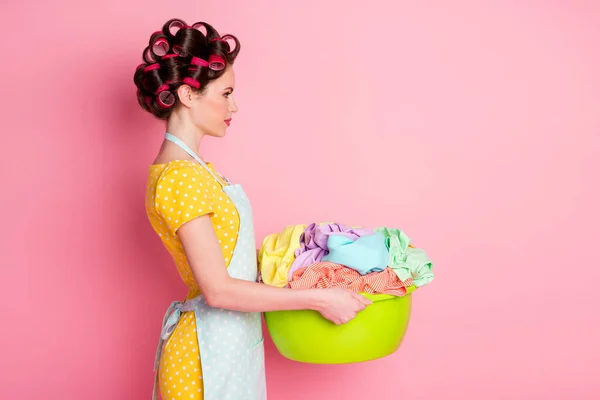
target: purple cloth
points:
(313, 243)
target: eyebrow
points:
(229, 88)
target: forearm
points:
(246, 296)
(206, 261)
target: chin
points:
(218, 134)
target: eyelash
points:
(227, 94)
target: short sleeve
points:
(182, 194)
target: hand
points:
(341, 305)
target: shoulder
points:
(184, 172)
(184, 191)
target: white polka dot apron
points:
(231, 342)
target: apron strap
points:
(170, 321)
(187, 149)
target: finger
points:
(358, 297)
(363, 299)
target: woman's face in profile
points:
(212, 111)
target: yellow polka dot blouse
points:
(179, 191)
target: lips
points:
(228, 121)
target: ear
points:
(185, 95)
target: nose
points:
(232, 105)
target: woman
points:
(211, 345)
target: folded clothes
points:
(277, 253)
(405, 260)
(326, 274)
(365, 254)
(313, 242)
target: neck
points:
(185, 130)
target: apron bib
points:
(231, 342)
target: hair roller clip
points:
(216, 63)
(192, 82)
(172, 55)
(152, 67)
(199, 61)
(218, 39)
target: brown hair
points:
(176, 53)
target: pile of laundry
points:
(322, 255)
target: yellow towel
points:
(276, 254)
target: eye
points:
(227, 94)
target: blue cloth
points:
(366, 254)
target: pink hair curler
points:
(152, 67)
(199, 61)
(160, 47)
(148, 56)
(192, 82)
(166, 99)
(162, 88)
(231, 42)
(200, 27)
(175, 26)
(164, 96)
(216, 63)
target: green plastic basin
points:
(376, 332)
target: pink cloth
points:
(325, 275)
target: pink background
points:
(471, 125)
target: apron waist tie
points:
(170, 321)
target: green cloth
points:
(407, 262)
